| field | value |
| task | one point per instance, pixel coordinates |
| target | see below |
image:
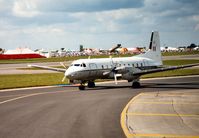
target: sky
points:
(102, 24)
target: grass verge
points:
(180, 72)
(180, 53)
(180, 62)
(29, 80)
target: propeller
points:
(63, 65)
(64, 78)
(114, 71)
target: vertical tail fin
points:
(154, 51)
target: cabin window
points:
(102, 67)
(128, 64)
(137, 64)
(84, 65)
(124, 64)
(141, 64)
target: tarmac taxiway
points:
(56, 111)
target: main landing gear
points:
(91, 84)
(136, 84)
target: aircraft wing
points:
(48, 68)
(143, 72)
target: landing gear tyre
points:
(91, 84)
(81, 87)
(136, 84)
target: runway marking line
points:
(164, 103)
(12, 95)
(171, 94)
(130, 135)
(34, 94)
(152, 114)
(163, 135)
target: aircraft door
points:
(93, 69)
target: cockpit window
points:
(84, 65)
(76, 64)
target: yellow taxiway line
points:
(148, 102)
(161, 136)
(152, 114)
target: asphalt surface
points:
(66, 112)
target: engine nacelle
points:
(130, 74)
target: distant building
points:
(169, 49)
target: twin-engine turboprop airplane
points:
(127, 68)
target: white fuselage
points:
(91, 69)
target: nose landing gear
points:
(81, 87)
(91, 84)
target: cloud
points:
(31, 8)
(25, 8)
(88, 5)
(96, 23)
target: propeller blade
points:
(68, 81)
(106, 73)
(115, 76)
(63, 65)
(64, 78)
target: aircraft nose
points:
(69, 73)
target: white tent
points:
(20, 51)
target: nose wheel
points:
(81, 87)
(91, 84)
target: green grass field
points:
(180, 53)
(28, 80)
(179, 62)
